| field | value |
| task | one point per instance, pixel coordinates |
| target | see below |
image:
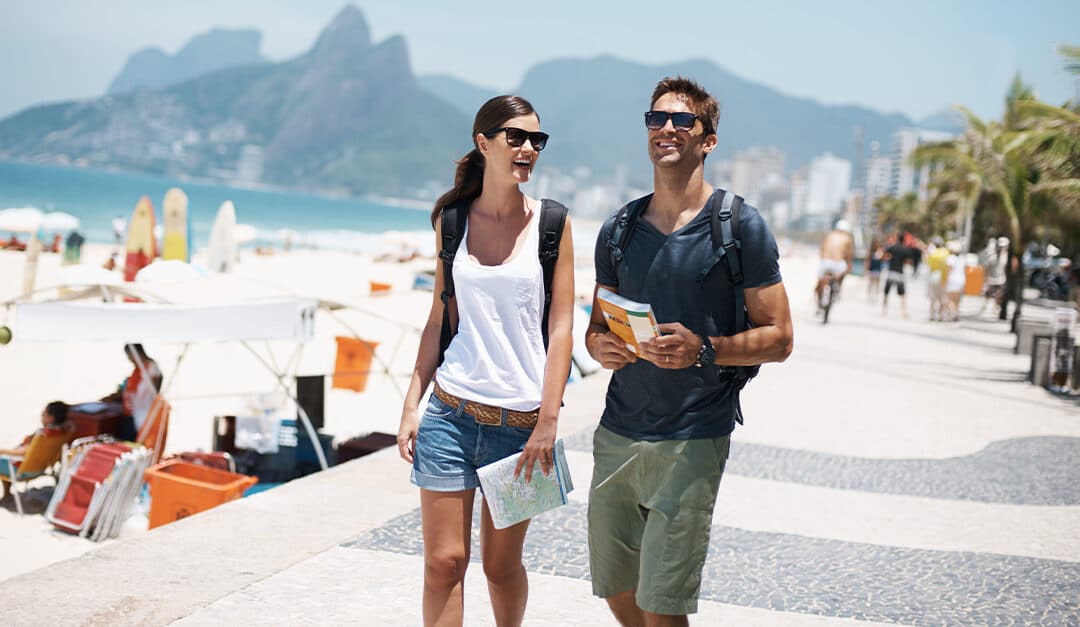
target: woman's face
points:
(514, 163)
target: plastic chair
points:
(41, 455)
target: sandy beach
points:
(218, 378)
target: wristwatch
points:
(706, 354)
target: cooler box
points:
(973, 280)
(179, 489)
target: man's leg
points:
(616, 524)
(679, 481)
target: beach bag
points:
(724, 211)
(552, 220)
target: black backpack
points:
(552, 219)
(724, 209)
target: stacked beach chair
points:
(97, 490)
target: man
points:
(137, 392)
(837, 256)
(663, 438)
(896, 256)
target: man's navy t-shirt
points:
(649, 403)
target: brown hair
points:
(469, 177)
(704, 105)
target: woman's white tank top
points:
(497, 356)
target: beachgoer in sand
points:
(495, 364)
(53, 417)
(137, 392)
(663, 438)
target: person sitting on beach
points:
(137, 392)
(495, 364)
(53, 417)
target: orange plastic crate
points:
(179, 489)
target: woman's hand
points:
(406, 437)
(539, 447)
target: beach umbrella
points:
(87, 274)
(20, 220)
(169, 271)
(59, 221)
(244, 233)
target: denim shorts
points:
(451, 445)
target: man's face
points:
(670, 147)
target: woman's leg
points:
(447, 525)
(508, 583)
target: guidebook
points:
(630, 320)
(511, 500)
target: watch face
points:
(706, 354)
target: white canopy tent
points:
(281, 319)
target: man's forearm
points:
(754, 346)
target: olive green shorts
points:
(650, 512)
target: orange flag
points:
(353, 363)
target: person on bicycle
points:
(837, 256)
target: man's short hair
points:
(703, 104)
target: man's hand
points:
(678, 348)
(610, 350)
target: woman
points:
(496, 359)
(874, 263)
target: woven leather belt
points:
(489, 414)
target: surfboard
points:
(221, 252)
(175, 243)
(141, 247)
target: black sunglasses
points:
(515, 137)
(682, 121)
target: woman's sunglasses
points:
(515, 137)
(682, 121)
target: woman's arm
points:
(427, 359)
(557, 368)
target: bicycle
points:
(830, 291)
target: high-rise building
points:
(904, 177)
(878, 169)
(828, 182)
(755, 169)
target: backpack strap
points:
(552, 220)
(624, 228)
(453, 225)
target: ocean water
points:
(96, 197)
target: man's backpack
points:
(552, 220)
(724, 212)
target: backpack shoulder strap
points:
(624, 227)
(552, 221)
(453, 225)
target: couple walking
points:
(497, 345)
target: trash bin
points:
(974, 276)
(179, 489)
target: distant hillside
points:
(216, 50)
(347, 115)
(594, 110)
(465, 96)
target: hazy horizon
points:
(914, 59)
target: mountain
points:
(594, 110)
(947, 120)
(347, 115)
(465, 96)
(216, 50)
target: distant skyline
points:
(915, 58)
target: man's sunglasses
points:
(515, 137)
(682, 121)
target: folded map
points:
(511, 500)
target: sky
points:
(915, 57)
